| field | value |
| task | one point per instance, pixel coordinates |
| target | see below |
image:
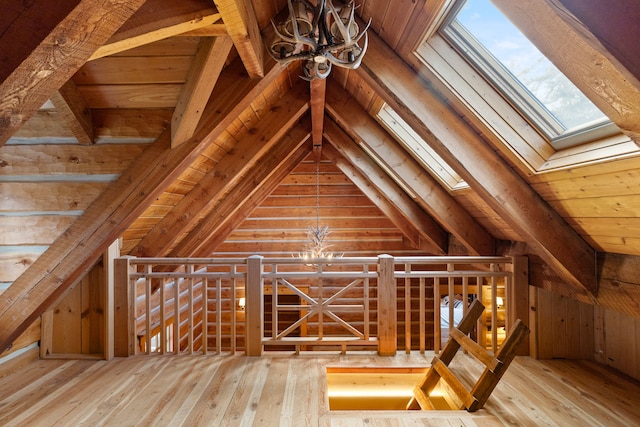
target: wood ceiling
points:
(165, 123)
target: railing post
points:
(387, 307)
(123, 328)
(254, 310)
(518, 299)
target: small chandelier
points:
(320, 35)
(317, 246)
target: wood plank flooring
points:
(288, 390)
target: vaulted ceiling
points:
(165, 123)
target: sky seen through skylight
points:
(525, 62)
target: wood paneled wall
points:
(601, 201)
(617, 341)
(76, 325)
(562, 327)
(45, 196)
(279, 226)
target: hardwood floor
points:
(285, 390)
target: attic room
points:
(204, 221)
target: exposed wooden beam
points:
(53, 51)
(203, 75)
(213, 30)
(430, 194)
(318, 90)
(119, 205)
(486, 173)
(424, 22)
(614, 23)
(256, 186)
(242, 26)
(74, 111)
(374, 182)
(223, 178)
(582, 56)
(158, 20)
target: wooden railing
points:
(196, 305)
(462, 279)
(170, 305)
(337, 291)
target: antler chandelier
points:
(321, 35)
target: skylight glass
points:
(420, 150)
(542, 91)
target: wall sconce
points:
(242, 302)
(499, 302)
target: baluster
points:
(452, 296)
(234, 307)
(437, 342)
(465, 295)
(480, 332)
(190, 314)
(163, 320)
(274, 307)
(176, 316)
(218, 315)
(494, 310)
(205, 315)
(407, 309)
(147, 291)
(422, 315)
(365, 294)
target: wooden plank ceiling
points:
(171, 128)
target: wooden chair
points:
(495, 366)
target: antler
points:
(353, 61)
(323, 45)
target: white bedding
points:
(444, 315)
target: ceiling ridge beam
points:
(430, 194)
(60, 49)
(383, 191)
(508, 194)
(318, 88)
(257, 185)
(112, 212)
(222, 178)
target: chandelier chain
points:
(318, 193)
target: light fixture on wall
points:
(499, 302)
(242, 302)
(321, 35)
(317, 246)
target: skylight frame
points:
(516, 93)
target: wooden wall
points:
(562, 328)
(601, 201)
(617, 341)
(76, 325)
(44, 189)
(278, 227)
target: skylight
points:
(419, 149)
(554, 104)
